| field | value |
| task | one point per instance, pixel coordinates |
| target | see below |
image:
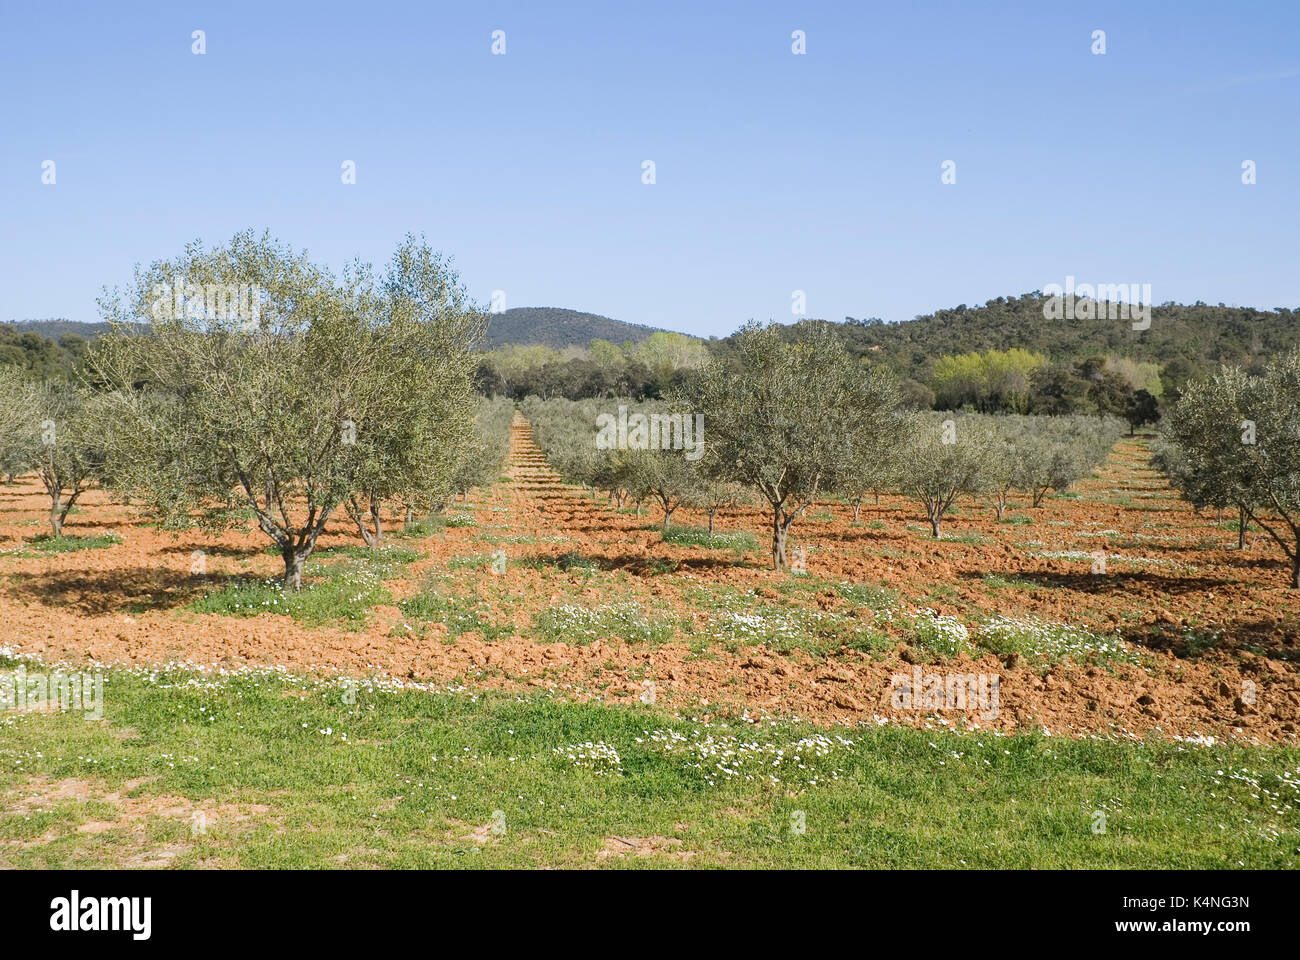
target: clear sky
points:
(775, 172)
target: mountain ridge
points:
(560, 327)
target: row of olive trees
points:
(940, 458)
(313, 392)
(565, 429)
(797, 421)
(1233, 441)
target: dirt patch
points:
(618, 847)
(41, 793)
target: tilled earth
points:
(1215, 627)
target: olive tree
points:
(1239, 438)
(786, 415)
(484, 457)
(669, 478)
(19, 419)
(70, 452)
(713, 495)
(58, 430)
(876, 470)
(1186, 465)
(1052, 452)
(421, 428)
(1002, 462)
(279, 407)
(941, 459)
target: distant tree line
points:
(650, 368)
(40, 356)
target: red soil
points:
(127, 604)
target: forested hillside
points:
(1198, 334)
(23, 346)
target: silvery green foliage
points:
(1038, 454)
(789, 417)
(57, 430)
(941, 458)
(332, 388)
(19, 419)
(485, 456)
(1235, 439)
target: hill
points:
(55, 328)
(1199, 336)
(557, 328)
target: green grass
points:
(341, 590)
(47, 544)
(739, 621)
(313, 774)
(436, 604)
(389, 556)
(425, 527)
(1046, 643)
(741, 541)
(877, 598)
(995, 581)
(481, 561)
(569, 561)
(583, 625)
(939, 634)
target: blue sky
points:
(775, 172)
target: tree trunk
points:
(779, 561)
(409, 521)
(857, 509)
(359, 518)
(294, 561)
(56, 513)
(1241, 527)
(375, 507)
(712, 513)
(934, 516)
(668, 517)
(1295, 568)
